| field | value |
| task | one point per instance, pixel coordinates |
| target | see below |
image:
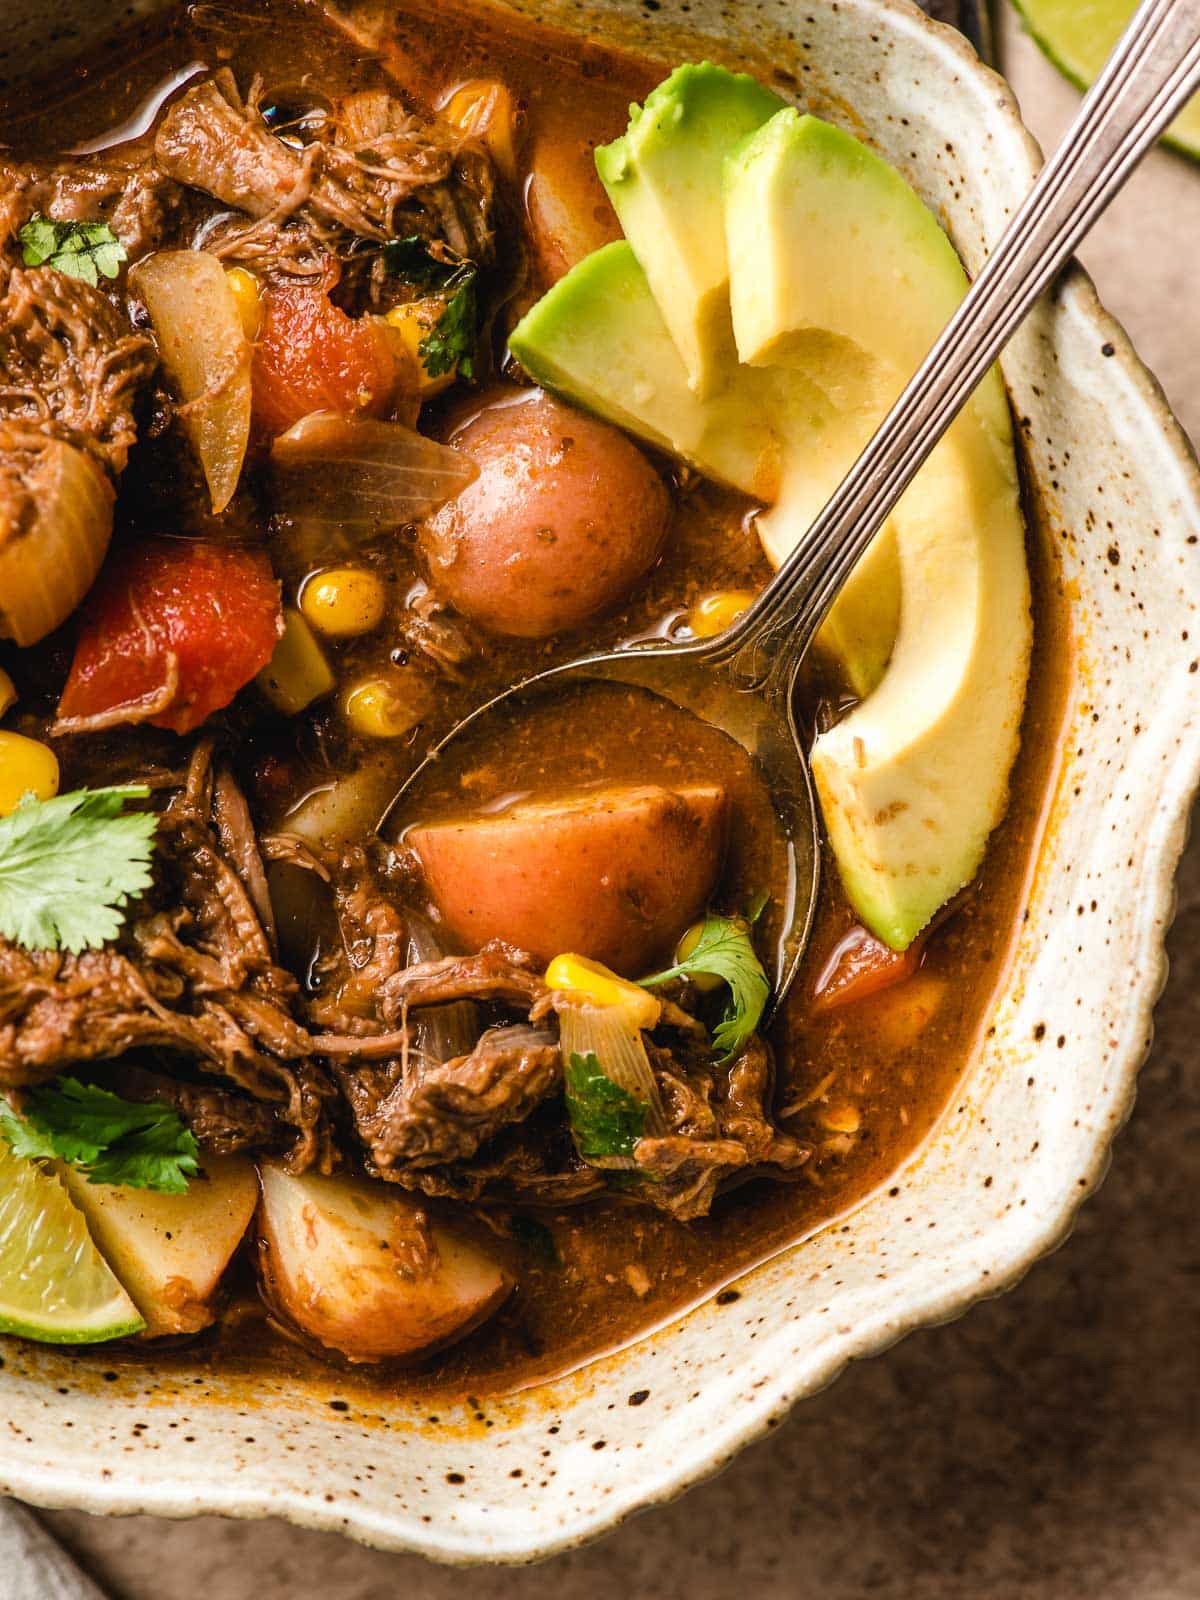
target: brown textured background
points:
(1046, 1447)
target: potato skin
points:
(616, 875)
(564, 519)
(360, 1267)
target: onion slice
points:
(363, 476)
(207, 357)
(56, 514)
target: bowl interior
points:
(1116, 508)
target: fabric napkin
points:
(33, 1566)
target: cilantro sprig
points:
(450, 343)
(68, 866)
(108, 1139)
(605, 1119)
(87, 250)
(726, 950)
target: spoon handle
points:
(1148, 79)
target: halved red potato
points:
(361, 1268)
(170, 1251)
(563, 520)
(615, 875)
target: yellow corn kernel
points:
(8, 692)
(297, 673)
(594, 985)
(715, 612)
(706, 982)
(840, 1119)
(384, 707)
(343, 602)
(414, 321)
(485, 110)
(26, 767)
(243, 286)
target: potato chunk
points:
(362, 1269)
(170, 1251)
(615, 875)
(564, 519)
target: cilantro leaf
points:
(109, 1139)
(87, 250)
(412, 260)
(452, 342)
(725, 949)
(67, 865)
(606, 1119)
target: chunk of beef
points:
(193, 972)
(123, 187)
(375, 172)
(498, 972)
(430, 1113)
(224, 1123)
(69, 364)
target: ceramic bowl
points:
(1115, 493)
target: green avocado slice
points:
(663, 177)
(848, 279)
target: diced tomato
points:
(862, 965)
(310, 356)
(184, 622)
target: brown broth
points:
(623, 1269)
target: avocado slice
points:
(663, 177)
(847, 276)
(598, 338)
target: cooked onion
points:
(363, 476)
(207, 356)
(56, 511)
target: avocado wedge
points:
(848, 279)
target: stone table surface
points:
(1047, 1446)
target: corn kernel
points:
(8, 692)
(297, 673)
(485, 110)
(243, 286)
(706, 982)
(383, 707)
(595, 985)
(413, 322)
(841, 1119)
(26, 767)
(715, 612)
(343, 602)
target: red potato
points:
(359, 1267)
(565, 517)
(616, 875)
(569, 213)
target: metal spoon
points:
(743, 680)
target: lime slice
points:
(54, 1284)
(1078, 36)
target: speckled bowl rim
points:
(80, 1485)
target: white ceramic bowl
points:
(1117, 494)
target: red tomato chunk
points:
(310, 356)
(862, 965)
(177, 624)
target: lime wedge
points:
(1078, 36)
(54, 1284)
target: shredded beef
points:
(224, 1123)
(192, 973)
(375, 172)
(69, 363)
(434, 1113)
(498, 972)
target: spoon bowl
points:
(686, 675)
